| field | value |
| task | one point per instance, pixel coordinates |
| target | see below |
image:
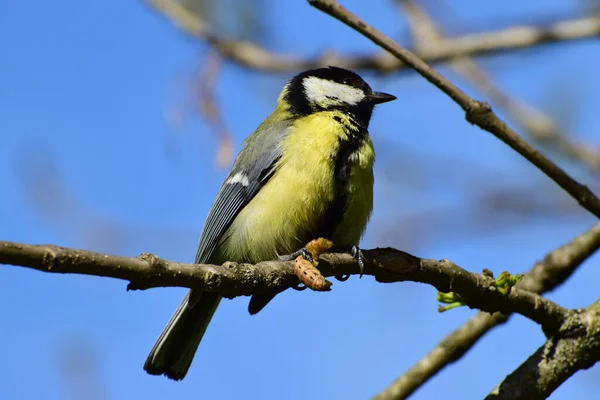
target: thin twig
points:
(544, 276)
(233, 279)
(251, 55)
(477, 112)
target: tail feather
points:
(258, 302)
(174, 350)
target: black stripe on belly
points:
(343, 163)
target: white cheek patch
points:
(323, 91)
(238, 178)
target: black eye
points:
(347, 81)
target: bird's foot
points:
(303, 252)
(311, 252)
(356, 252)
(305, 265)
(360, 258)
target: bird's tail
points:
(174, 350)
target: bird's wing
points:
(253, 167)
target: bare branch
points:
(251, 55)
(235, 279)
(477, 112)
(539, 125)
(544, 276)
(556, 361)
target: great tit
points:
(306, 172)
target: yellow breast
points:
(283, 214)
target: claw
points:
(342, 278)
(302, 252)
(360, 258)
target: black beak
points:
(380, 97)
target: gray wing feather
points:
(174, 350)
(257, 162)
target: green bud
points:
(452, 299)
(505, 281)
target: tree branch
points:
(251, 55)
(544, 276)
(477, 112)
(236, 279)
(556, 361)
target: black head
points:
(333, 88)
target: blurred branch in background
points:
(539, 125)
(239, 18)
(206, 104)
(483, 210)
(251, 55)
(482, 206)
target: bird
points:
(306, 172)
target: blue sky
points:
(88, 159)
